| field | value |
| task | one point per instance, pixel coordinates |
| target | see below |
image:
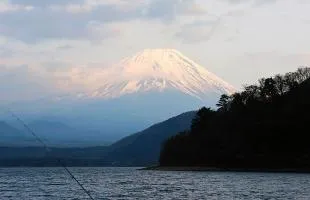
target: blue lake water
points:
(128, 183)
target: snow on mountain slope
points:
(151, 70)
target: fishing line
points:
(49, 150)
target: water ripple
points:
(128, 183)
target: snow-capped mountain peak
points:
(154, 70)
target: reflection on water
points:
(128, 183)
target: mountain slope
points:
(143, 148)
(149, 70)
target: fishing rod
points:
(49, 150)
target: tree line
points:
(264, 126)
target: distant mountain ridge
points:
(139, 149)
(58, 134)
(10, 136)
(54, 134)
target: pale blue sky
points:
(42, 41)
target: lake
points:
(129, 183)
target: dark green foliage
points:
(264, 126)
(223, 103)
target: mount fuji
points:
(149, 87)
(150, 70)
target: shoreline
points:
(214, 169)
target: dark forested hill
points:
(264, 126)
(143, 148)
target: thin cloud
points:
(42, 24)
(198, 31)
(172, 9)
(65, 47)
(21, 81)
(7, 7)
(45, 3)
(250, 1)
(204, 30)
(70, 20)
